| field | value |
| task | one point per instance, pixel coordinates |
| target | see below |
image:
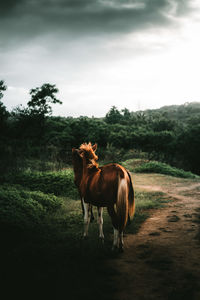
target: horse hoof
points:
(85, 237)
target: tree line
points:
(170, 134)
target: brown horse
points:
(108, 186)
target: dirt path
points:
(162, 261)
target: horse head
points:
(87, 152)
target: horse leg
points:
(100, 221)
(92, 215)
(86, 207)
(112, 214)
(116, 239)
(121, 242)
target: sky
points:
(138, 54)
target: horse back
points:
(102, 186)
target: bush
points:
(157, 167)
(22, 208)
(58, 183)
(133, 164)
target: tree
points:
(3, 88)
(3, 112)
(113, 116)
(41, 98)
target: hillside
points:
(182, 113)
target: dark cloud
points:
(33, 17)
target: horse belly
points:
(102, 199)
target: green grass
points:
(44, 254)
(58, 183)
(132, 164)
(42, 250)
(140, 166)
(23, 208)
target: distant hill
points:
(185, 112)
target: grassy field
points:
(42, 250)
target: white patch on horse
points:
(86, 218)
(100, 221)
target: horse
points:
(108, 186)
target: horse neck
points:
(85, 168)
(78, 171)
(79, 175)
(85, 175)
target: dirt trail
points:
(162, 261)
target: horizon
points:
(120, 110)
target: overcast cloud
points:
(100, 52)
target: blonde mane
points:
(87, 150)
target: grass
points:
(51, 258)
(139, 166)
(22, 208)
(58, 183)
(42, 250)
(132, 164)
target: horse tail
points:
(131, 198)
(122, 203)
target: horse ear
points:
(94, 147)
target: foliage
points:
(113, 116)
(3, 88)
(20, 207)
(58, 183)
(132, 164)
(41, 97)
(170, 134)
(158, 167)
(3, 112)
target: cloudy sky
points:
(129, 53)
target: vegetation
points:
(41, 224)
(162, 168)
(58, 183)
(41, 242)
(170, 134)
(23, 208)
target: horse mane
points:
(87, 150)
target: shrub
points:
(133, 164)
(21, 208)
(58, 183)
(157, 167)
